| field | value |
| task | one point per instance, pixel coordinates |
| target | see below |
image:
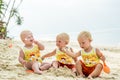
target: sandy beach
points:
(11, 69)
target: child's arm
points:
(70, 53)
(49, 54)
(21, 57)
(100, 55)
(75, 59)
(40, 46)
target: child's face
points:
(84, 43)
(28, 39)
(60, 43)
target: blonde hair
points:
(64, 37)
(24, 34)
(85, 34)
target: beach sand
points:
(11, 69)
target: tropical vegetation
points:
(9, 10)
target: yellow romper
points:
(63, 57)
(90, 58)
(32, 54)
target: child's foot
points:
(90, 77)
(83, 76)
(74, 70)
(38, 72)
(76, 73)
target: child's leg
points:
(96, 71)
(28, 65)
(79, 68)
(55, 64)
(74, 69)
(45, 66)
(71, 66)
(35, 67)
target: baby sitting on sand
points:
(62, 59)
(29, 55)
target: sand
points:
(11, 69)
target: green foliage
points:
(3, 7)
(9, 11)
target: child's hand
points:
(36, 42)
(106, 69)
(42, 58)
(40, 46)
(65, 49)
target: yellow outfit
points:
(63, 57)
(90, 58)
(32, 54)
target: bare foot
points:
(74, 70)
(90, 77)
(38, 72)
(79, 76)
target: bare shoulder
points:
(97, 50)
(21, 51)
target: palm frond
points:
(19, 20)
(14, 12)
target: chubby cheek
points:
(57, 44)
(29, 41)
(88, 43)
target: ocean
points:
(101, 36)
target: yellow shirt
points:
(32, 54)
(63, 57)
(90, 58)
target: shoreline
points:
(112, 48)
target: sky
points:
(47, 18)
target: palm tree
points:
(7, 12)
